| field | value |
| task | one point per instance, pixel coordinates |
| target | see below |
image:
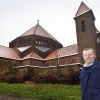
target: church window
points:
(47, 43)
(52, 44)
(36, 40)
(72, 61)
(23, 41)
(64, 62)
(29, 41)
(19, 42)
(47, 64)
(42, 41)
(53, 64)
(83, 25)
(39, 41)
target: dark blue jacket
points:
(90, 82)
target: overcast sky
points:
(55, 16)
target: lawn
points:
(42, 91)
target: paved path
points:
(6, 97)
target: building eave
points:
(84, 13)
(47, 66)
(63, 56)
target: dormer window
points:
(83, 25)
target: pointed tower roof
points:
(83, 8)
(39, 31)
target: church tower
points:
(85, 29)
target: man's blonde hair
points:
(90, 49)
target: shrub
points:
(73, 78)
(3, 78)
(41, 76)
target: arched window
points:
(72, 61)
(42, 41)
(20, 42)
(47, 43)
(64, 62)
(23, 41)
(37, 41)
(53, 64)
(29, 40)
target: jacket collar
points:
(86, 65)
(94, 66)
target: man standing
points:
(90, 76)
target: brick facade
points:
(86, 32)
(37, 48)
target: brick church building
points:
(38, 48)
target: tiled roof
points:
(7, 52)
(32, 55)
(66, 51)
(40, 31)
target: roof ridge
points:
(44, 31)
(35, 29)
(26, 31)
(49, 34)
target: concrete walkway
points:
(6, 97)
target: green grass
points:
(42, 91)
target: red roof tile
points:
(32, 55)
(7, 52)
(66, 51)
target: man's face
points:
(88, 56)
